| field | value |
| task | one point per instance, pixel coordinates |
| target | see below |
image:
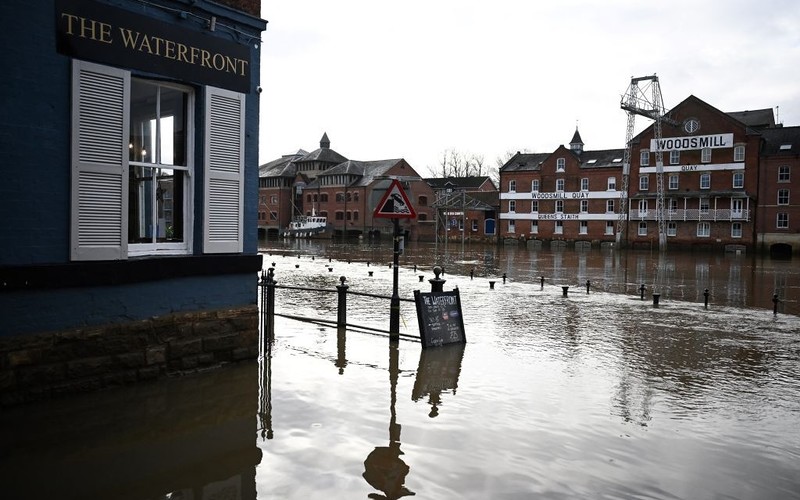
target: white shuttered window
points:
(99, 162)
(224, 171)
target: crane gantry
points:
(644, 100)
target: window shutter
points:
(224, 171)
(99, 160)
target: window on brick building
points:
(705, 155)
(783, 173)
(534, 227)
(559, 184)
(703, 229)
(560, 164)
(644, 182)
(642, 228)
(512, 205)
(738, 180)
(783, 197)
(672, 182)
(535, 185)
(674, 157)
(736, 230)
(559, 228)
(782, 221)
(705, 181)
(644, 157)
(738, 153)
(672, 229)
(583, 228)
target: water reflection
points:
(438, 372)
(384, 470)
(732, 280)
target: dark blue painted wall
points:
(35, 122)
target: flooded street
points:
(598, 395)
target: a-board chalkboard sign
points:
(440, 320)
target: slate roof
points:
(576, 138)
(602, 158)
(281, 167)
(757, 118)
(366, 171)
(774, 138)
(524, 161)
(325, 155)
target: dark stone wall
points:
(51, 364)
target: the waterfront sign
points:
(440, 320)
(713, 141)
(110, 35)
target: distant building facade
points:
(466, 207)
(569, 195)
(727, 186)
(327, 184)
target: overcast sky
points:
(412, 79)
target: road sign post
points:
(395, 205)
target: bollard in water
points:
(330, 269)
(273, 264)
(588, 285)
(504, 278)
(297, 266)
(369, 272)
(471, 273)
(415, 268)
(330, 259)
(421, 276)
(542, 282)
(491, 285)
(312, 257)
(437, 284)
(341, 311)
(367, 263)
(656, 297)
(641, 291)
(564, 290)
(775, 303)
(705, 296)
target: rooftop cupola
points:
(576, 144)
(325, 142)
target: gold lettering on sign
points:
(99, 31)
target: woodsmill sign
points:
(97, 32)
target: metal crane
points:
(644, 101)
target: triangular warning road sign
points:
(395, 204)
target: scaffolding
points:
(455, 204)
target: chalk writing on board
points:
(440, 319)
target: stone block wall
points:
(50, 364)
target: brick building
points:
(466, 207)
(327, 184)
(569, 195)
(726, 180)
(710, 177)
(778, 210)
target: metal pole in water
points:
(394, 312)
(775, 303)
(705, 297)
(588, 284)
(341, 310)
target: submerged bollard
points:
(542, 282)
(775, 303)
(491, 285)
(415, 268)
(705, 296)
(588, 284)
(471, 273)
(421, 276)
(504, 278)
(641, 290)
(330, 269)
(297, 266)
(656, 297)
(341, 311)
(437, 284)
(369, 272)
(564, 290)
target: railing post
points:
(705, 297)
(268, 304)
(775, 304)
(341, 310)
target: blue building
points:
(129, 141)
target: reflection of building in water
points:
(438, 372)
(384, 470)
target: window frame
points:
(783, 197)
(644, 157)
(644, 182)
(705, 155)
(703, 229)
(782, 220)
(784, 175)
(738, 153)
(737, 176)
(705, 180)
(561, 164)
(675, 157)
